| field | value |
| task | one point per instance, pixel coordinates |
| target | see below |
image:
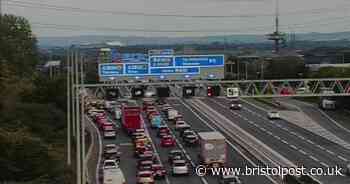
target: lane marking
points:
(302, 152)
(342, 158)
(153, 145)
(293, 146)
(324, 164)
(227, 141)
(313, 158)
(331, 152)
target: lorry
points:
(113, 176)
(213, 149)
(117, 113)
(232, 92)
(327, 104)
(131, 118)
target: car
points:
(110, 164)
(187, 132)
(167, 141)
(235, 105)
(145, 165)
(180, 124)
(182, 129)
(190, 139)
(111, 151)
(158, 171)
(178, 117)
(140, 149)
(145, 177)
(163, 130)
(229, 179)
(347, 171)
(109, 132)
(180, 167)
(273, 115)
(175, 155)
(147, 155)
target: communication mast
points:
(276, 36)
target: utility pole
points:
(276, 36)
(82, 119)
(0, 8)
(78, 134)
(69, 161)
(246, 70)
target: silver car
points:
(180, 167)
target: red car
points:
(158, 171)
(167, 141)
(145, 165)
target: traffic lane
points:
(127, 161)
(316, 115)
(321, 143)
(294, 155)
(271, 141)
(342, 116)
(235, 159)
(163, 153)
(293, 136)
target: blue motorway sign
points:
(161, 61)
(201, 61)
(136, 68)
(173, 70)
(110, 69)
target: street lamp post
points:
(78, 130)
(68, 110)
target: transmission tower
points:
(276, 36)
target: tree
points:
(285, 67)
(17, 45)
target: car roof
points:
(179, 161)
(110, 145)
(144, 172)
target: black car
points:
(235, 105)
(175, 155)
(190, 139)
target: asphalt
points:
(234, 157)
(310, 155)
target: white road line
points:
(293, 133)
(331, 152)
(342, 158)
(324, 164)
(293, 146)
(285, 142)
(277, 137)
(303, 152)
(301, 137)
(309, 141)
(232, 146)
(321, 147)
(263, 129)
(268, 132)
(99, 152)
(313, 158)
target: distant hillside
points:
(133, 40)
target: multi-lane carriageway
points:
(290, 142)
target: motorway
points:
(296, 144)
(292, 142)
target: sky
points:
(103, 17)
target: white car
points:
(273, 115)
(180, 124)
(110, 164)
(144, 177)
(180, 167)
(230, 179)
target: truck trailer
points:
(131, 119)
(213, 147)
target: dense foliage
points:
(32, 118)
